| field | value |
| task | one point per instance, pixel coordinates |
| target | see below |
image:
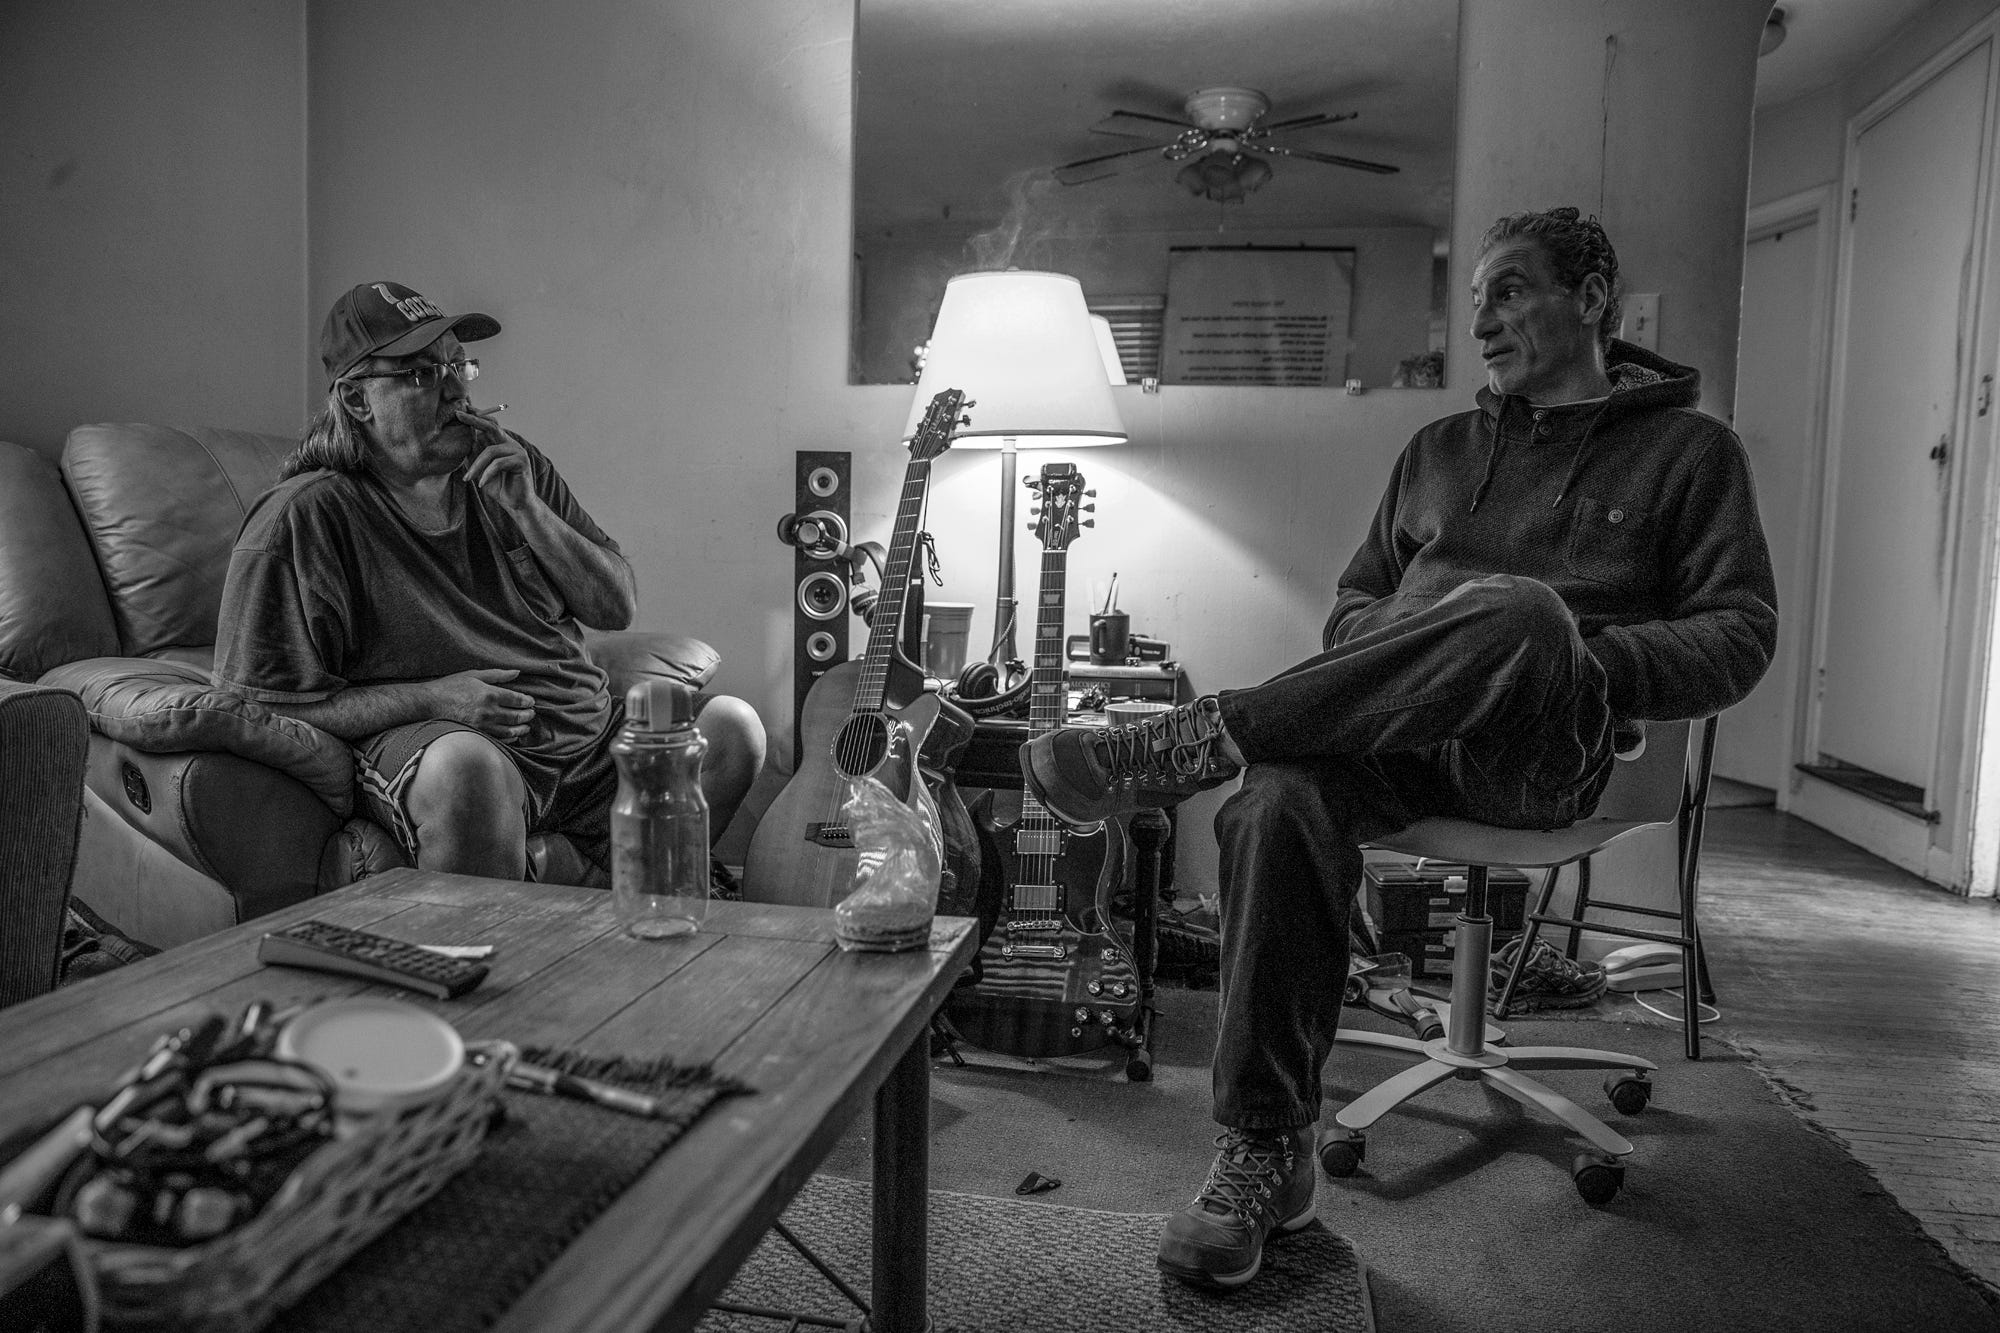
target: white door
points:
(1908, 277)
(1775, 385)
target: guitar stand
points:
(1149, 830)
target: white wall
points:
(152, 215)
(653, 197)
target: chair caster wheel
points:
(1597, 1178)
(1341, 1157)
(1139, 1069)
(1629, 1093)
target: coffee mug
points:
(1109, 642)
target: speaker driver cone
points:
(822, 595)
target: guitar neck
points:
(1048, 693)
(886, 622)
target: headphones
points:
(978, 690)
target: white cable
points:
(1713, 1013)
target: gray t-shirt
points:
(331, 585)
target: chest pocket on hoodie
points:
(1610, 542)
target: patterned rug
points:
(1002, 1266)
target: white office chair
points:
(1666, 785)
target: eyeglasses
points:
(427, 376)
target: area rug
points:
(1735, 1214)
(1006, 1266)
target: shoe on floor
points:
(1085, 775)
(1550, 980)
(1259, 1183)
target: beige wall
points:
(152, 214)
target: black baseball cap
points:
(389, 319)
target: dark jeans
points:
(1484, 705)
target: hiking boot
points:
(1549, 981)
(1259, 1183)
(1085, 775)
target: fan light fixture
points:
(1774, 32)
(1224, 176)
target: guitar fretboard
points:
(886, 620)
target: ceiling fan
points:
(1223, 141)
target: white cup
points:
(1124, 712)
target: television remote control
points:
(325, 947)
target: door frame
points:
(1964, 784)
(1815, 207)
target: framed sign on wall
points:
(1258, 315)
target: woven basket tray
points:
(338, 1200)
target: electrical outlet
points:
(1642, 320)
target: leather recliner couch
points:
(201, 809)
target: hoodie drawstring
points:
(1576, 459)
(1492, 455)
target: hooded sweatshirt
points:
(1637, 510)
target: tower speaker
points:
(818, 527)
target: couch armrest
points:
(630, 656)
(164, 707)
(43, 740)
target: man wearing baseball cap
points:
(418, 584)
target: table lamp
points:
(1023, 347)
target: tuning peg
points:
(1089, 523)
(1091, 493)
(1090, 509)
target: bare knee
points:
(466, 803)
(735, 736)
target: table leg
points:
(902, 1193)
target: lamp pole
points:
(1003, 597)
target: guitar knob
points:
(1095, 988)
(1082, 1014)
(1104, 1017)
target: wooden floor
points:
(1876, 997)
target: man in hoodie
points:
(1579, 553)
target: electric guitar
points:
(1054, 977)
(865, 718)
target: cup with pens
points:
(1109, 642)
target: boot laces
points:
(1246, 1175)
(1181, 735)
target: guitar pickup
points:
(830, 835)
(1038, 842)
(1036, 897)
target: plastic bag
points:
(897, 872)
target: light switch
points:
(1642, 320)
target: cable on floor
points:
(1704, 1011)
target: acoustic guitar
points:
(1054, 977)
(864, 718)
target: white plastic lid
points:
(659, 705)
(380, 1053)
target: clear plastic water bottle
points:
(659, 824)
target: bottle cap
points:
(659, 705)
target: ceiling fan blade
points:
(1116, 123)
(1097, 168)
(1332, 159)
(1307, 122)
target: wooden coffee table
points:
(763, 993)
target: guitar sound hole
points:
(862, 745)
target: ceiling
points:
(964, 105)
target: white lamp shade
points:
(1114, 368)
(1022, 348)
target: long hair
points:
(332, 442)
(1576, 246)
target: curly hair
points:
(1576, 247)
(332, 442)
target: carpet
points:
(1008, 1266)
(1735, 1212)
